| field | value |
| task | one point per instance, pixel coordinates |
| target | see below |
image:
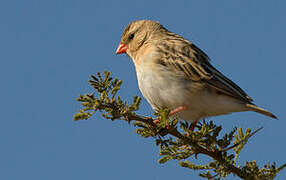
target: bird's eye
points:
(131, 36)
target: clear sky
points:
(50, 48)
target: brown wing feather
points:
(196, 65)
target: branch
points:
(216, 155)
(205, 140)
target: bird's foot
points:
(182, 108)
(156, 121)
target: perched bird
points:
(174, 73)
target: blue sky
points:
(49, 49)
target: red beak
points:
(122, 48)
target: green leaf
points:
(164, 159)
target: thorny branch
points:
(205, 140)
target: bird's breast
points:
(161, 87)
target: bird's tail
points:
(255, 108)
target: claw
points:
(156, 121)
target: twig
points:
(245, 139)
(216, 155)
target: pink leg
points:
(178, 109)
(193, 125)
(173, 112)
(182, 108)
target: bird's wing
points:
(195, 65)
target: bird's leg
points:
(182, 108)
(173, 112)
(177, 110)
(194, 125)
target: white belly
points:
(167, 90)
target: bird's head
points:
(135, 35)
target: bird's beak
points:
(122, 48)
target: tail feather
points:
(255, 108)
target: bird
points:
(172, 72)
